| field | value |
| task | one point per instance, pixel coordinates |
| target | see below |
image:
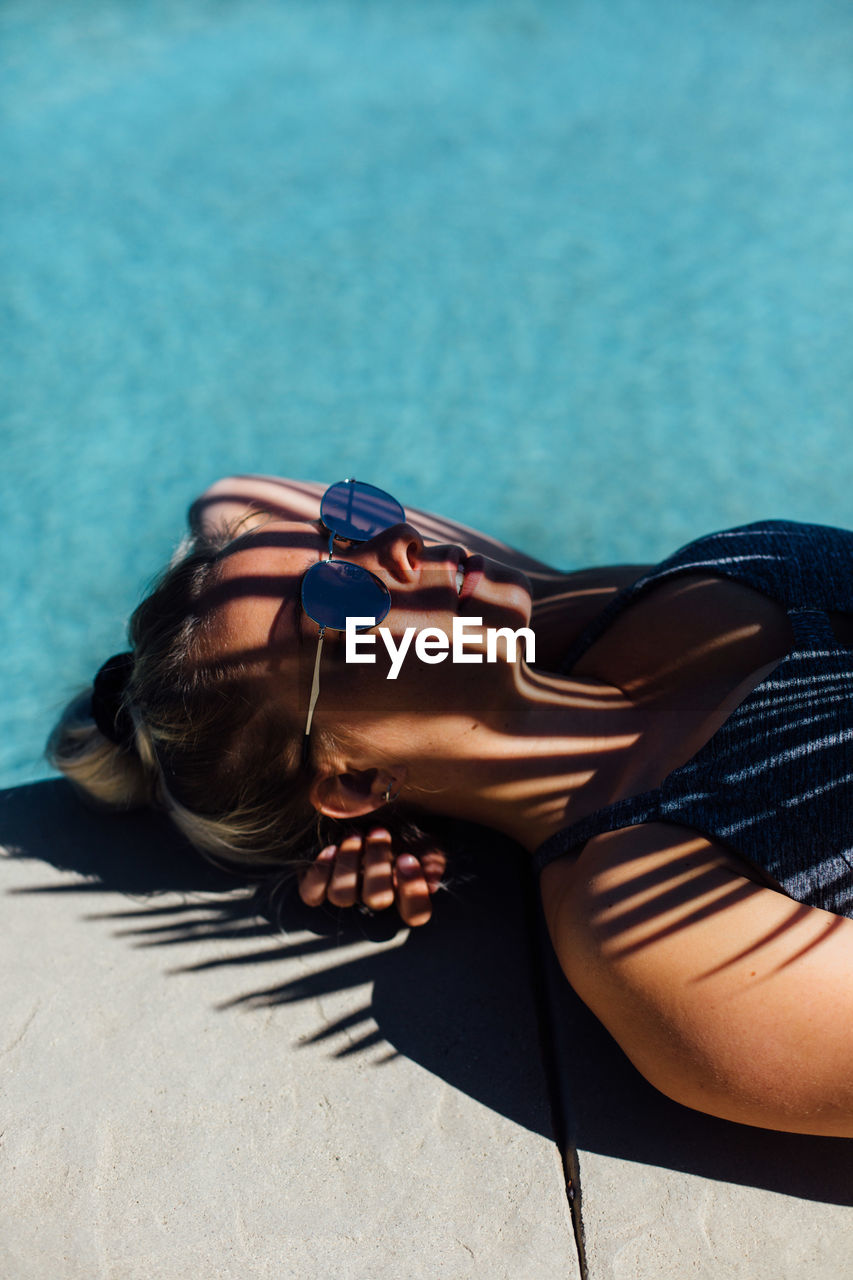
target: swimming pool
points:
(580, 273)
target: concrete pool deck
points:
(189, 1092)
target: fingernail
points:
(326, 855)
(408, 864)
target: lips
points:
(473, 568)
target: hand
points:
(367, 870)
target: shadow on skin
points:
(456, 997)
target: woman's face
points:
(259, 619)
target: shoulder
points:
(727, 995)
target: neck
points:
(545, 756)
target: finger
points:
(377, 875)
(343, 884)
(313, 881)
(434, 864)
(412, 892)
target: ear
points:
(350, 795)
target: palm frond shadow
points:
(458, 997)
(454, 997)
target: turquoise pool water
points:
(581, 273)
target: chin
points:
(511, 607)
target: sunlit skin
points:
(489, 743)
(727, 995)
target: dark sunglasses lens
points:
(359, 511)
(335, 590)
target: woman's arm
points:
(237, 497)
(564, 603)
(728, 996)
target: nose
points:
(396, 551)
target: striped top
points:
(775, 782)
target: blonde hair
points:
(207, 748)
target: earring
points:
(387, 797)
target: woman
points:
(686, 788)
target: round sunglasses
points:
(334, 590)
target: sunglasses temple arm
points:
(315, 683)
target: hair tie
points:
(108, 709)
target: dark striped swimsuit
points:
(775, 782)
